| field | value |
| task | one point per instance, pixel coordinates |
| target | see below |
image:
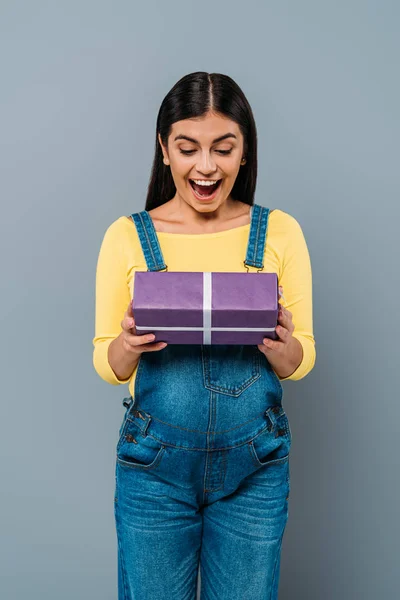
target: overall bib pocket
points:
(230, 369)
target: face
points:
(194, 153)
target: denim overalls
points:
(202, 464)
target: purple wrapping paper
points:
(206, 307)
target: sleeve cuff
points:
(308, 361)
(102, 366)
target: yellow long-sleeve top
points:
(120, 255)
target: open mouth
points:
(205, 191)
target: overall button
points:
(138, 414)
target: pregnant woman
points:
(202, 458)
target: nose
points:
(206, 164)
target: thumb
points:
(129, 314)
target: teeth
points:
(208, 182)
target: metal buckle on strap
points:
(258, 270)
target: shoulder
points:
(120, 235)
(283, 221)
(121, 242)
(286, 236)
(119, 228)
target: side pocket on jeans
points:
(272, 445)
(137, 451)
(267, 450)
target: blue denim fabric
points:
(202, 465)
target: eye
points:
(187, 152)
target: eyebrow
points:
(189, 139)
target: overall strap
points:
(149, 241)
(257, 237)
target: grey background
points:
(81, 84)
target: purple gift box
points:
(206, 307)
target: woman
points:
(202, 465)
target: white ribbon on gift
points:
(207, 329)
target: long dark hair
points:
(193, 96)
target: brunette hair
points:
(194, 95)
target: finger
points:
(129, 310)
(286, 322)
(142, 341)
(282, 316)
(147, 346)
(285, 313)
(154, 347)
(269, 344)
(135, 340)
(285, 319)
(283, 333)
(128, 322)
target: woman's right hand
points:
(136, 344)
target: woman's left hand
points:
(279, 348)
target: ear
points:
(164, 151)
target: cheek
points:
(181, 169)
(180, 175)
(232, 167)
